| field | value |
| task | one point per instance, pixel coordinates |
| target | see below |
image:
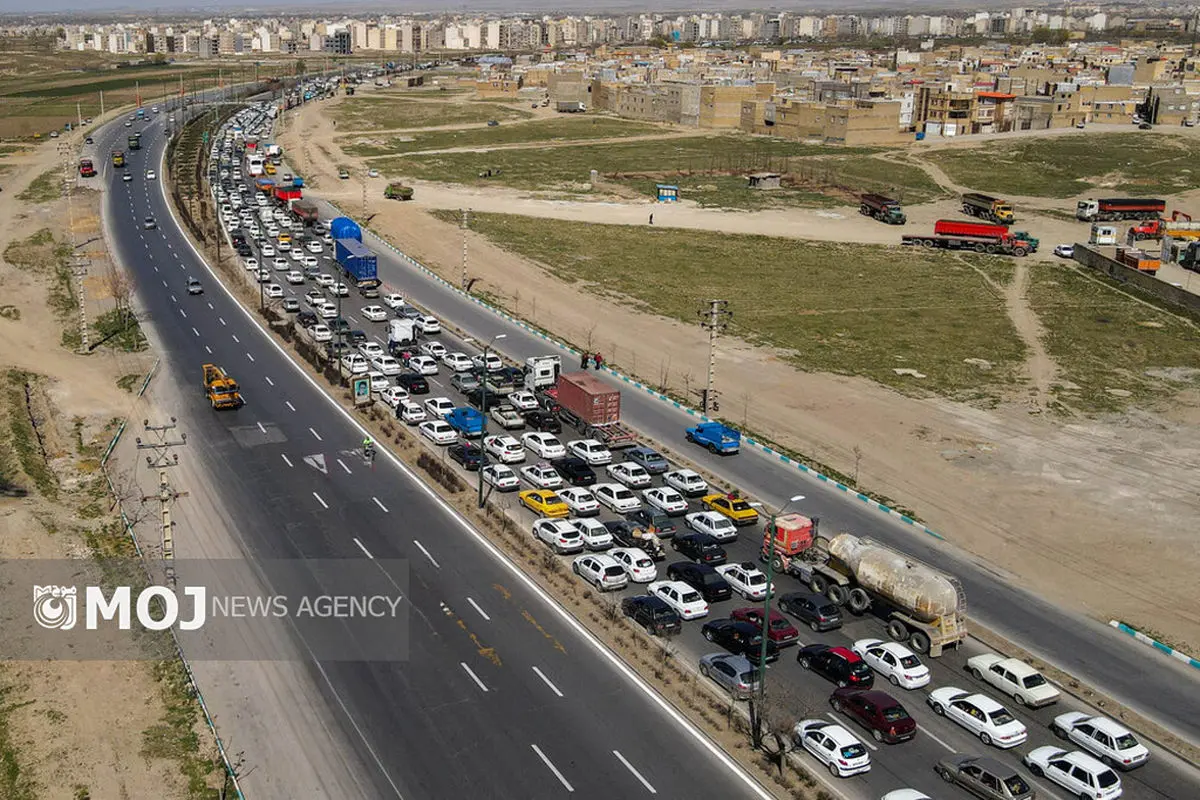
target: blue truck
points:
(359, 264)
(716, 437)
(466, 421)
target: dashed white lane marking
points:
(474, 677)
(210, 307)
(343, 465)
(319, 500)
(222, 320)
(547, 681)
(362, 547)
(209, 349)
(250, 357)
(173, 300)
(261, 428)
(181, 311)
(926, 732)
(286, 460)
(195, 331)
(432, 560)
(636, 774)
(235, 338)
(381, 505)
(314, 433)
(289, 405)
(552, 768)
(268, 380)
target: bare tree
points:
(120, 286)
(128, 495)
(664, 373)
(858, 453)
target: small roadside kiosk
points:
(667, 193)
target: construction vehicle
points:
(987, 207)
(86, 168)
(398, 191)
(985, 230)
(1118, 208)
(1139, 259)
(285, 195)
(118, 158)
(221, 390)
(591, 407)
(884, 209)
(921, 605)
(1180, 226)
(989, 242)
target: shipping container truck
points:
(357, 261)
(592, 407)
(1180, 226)
(920, 604)
(1119, 208)
(1004, 245)
(987, 207)
(86, 168)
(986, 230)
(884, 209)
(1139, 259)
(306, 211)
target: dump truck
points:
(921, 604)
(591, 407)
(306, 211)
(1119, 208)
(134, 142)
(221, 390)
(541, 372)
(714, 436)
(118, 158)
(987, 207)
(286, 194)
(1005, 244)
(86, 168)
(398, 191)
(986, 230)
(884, 209)
(1139, 259)
(1180, 226)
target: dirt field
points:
(1051, 500)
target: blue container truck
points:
(345, 228)
(359, 264)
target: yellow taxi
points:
(544, 502)
(284, 238)
(732, 506)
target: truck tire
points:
(991, 248)
(818, 584)
(1020, 252)
(919, 642)
(858, 601)
(968, 210)
(980, 247)
(864, 209)
(836, 594)
(777, 564)
(897, 630)
(927, 243)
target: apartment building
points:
(849, 122)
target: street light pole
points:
(760, 700)
(483, 403)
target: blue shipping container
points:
(345, 228)
(356, 260)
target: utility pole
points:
(483, 407)
(79, 265)
(364, 197)
(162, 459)
(466, 220)
(715, 316)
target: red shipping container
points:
(953, 227)
(589, 398)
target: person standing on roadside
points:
(583, 361)
(599, 361)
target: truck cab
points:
(718, 438)
(541, 372)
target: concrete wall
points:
(1093, 257)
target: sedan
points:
(505, 448)
(393, 395)
(544, 445)
(1078, 773)
(313, 247)
(374, 313)
(1065, 251)
(653, 521)
(780, 630)
(390, 300)
(438, 431)
(433, 349)
(616, 497)
(522, 401)
(880, 713)
(273, 291)
(355, 364)
(413, 382)
(559, 534)
(591, 451)
(1013, 677)
(267, 251)
(295, 277)
(149, 224)
(979, 714)
(387, 365)
(836, 664)
(575, 471)
(580, 501)
(466, 454)
(281, 264)
(150, 175)
(686, 601)
(746, 579)
(601, 571)
(339, 290)
(544, 503)
(501, 477)
(741, 638)
(894, 661)
(985, 777)
(439, 407)
(428, 325)
(324, 280)
(732, 506)
(490, 363)
(658, 618)
(630, 474)
(649, 460)
(665, 499)
(638, 566)
(423, 365)
(732, 673)
(834, 746)
(459, 362)
(700, 547)
(1106, 739)
(703, 578)
(543, 476)
(687, 482)
(595, 534)
(713, 524)
(371, 349)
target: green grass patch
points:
(43, 188)
(904, 182)
(176, 737)
(843, 308)
(127, 382)
(371, 113)
(42, 254)
(1111, 164)
(554, 130)
(1102, 339)
(23, 437)
(15, 782)
(119, 328)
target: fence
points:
(1106, 265)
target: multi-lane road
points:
(502, 692)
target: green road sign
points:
(205, 137)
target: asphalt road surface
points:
(496, 704)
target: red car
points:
(878, 712)
(780, 630)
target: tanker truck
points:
(921, 605)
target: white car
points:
(616, 497)
(428, 325)
(979, 714)
(600, 571)
(327, 310)
(323, 280)
(355, 364)
(439, 407)
(746, 579)
(521, 401)
(296, 255)
(295, 277)
(505, 448)
(459, 362)
(1013, 677)
(595, 535)
(281, 264)
(837, 748)
(387, 365)
(251, 263)
(686, 601)
(501, 477)
(580, 501)
(310, 262)
(544, 445)
(716, 525)
(267, 251)
(666, 500)
(313, 247)
(150, 175)
(637, 565)
(894, 661)
(393, 395)
(274, 291)
(687, 482)
(321, 333)
(438, 431)
(543, 476)
(371, 350)
(339, 290)
(374, 313)
(1109, 741)
(410, 413)
(432, 349)
(492, 363)
(559, 534)
(423, 365)
(1078, 773)
(389, 300)
(631, 475)
(1065, 251)
(591, 451)
(379, 383)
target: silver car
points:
(733, 673)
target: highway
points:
(487, 697)
(1159, 687)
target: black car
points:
(623, 534)
(741, 638)
(412, 383)
(814, 609)
(466, 454)
(838, 664)
(306, 319)
(700, 547)
(482, 400)
(664, 527)
(243, 250)
(653, 614)
(544, 421)
(703, 578)
(574, 471)
(356, 336)
(338, 324)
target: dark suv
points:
(741, 638)
(700, 547)
(663, 525)
(574, 470)
(412, 383)
(815, 609)
(703, 578)
(837, 664)
(544, 421)
(653, 614)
